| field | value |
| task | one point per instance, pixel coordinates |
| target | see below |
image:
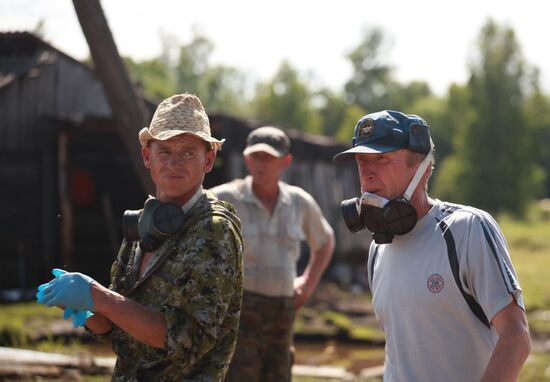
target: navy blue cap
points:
(386, 131)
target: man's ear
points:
(426, 176)
(145, 154)
(210, 159)
(287, 160)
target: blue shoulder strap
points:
(453, 262)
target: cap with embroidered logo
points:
(386, 131)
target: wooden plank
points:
(20, 370)
(372, 372)
(41, 363)
(31, 357)
(29, 362)
(322, 372)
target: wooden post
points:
(66, 211)
(128, 110)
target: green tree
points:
(221, 88)
(372, 76)
(493, 166)
(445, 115)
(154, 76)
(224, 90)
(347, 127)
(432, 109)
(373, 87)
(287, 100)
(193, 64)
(406, 97)
(332, 109)
(537, 114)
(186, 68)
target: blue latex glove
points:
(69, 289)
(56, 272)
(79, 316)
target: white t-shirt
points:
(431, 332)
(272, 241)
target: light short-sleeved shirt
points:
(431, 333)
(272, 241)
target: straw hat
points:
(179, 114)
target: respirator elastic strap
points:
(419, 172)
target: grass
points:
(17, 321)
(537, 368)
(529, 242)
(333, 324)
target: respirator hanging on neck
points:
(383, 217)
(153, 224)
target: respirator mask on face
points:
(152, 225)
(384, 218)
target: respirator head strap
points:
(419, 172)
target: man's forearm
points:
(144, 324)
(318, 262)
(305, 284)
(99, 324)
(507, 359)
(513, 345)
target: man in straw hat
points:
(276, 218)
(172, 310)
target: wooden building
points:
(66, 179)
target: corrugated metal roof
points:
(22, 51)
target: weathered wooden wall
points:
(43, 92)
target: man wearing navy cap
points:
(444, 288)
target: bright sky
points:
(432, 40)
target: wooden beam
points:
(21, 362)
(127, 108)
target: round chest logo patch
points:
(435, 283)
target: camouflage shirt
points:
(197, 284)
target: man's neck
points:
(422, 203)
(267, 194)
(180, 200)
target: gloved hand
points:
(69, 289)
(56, 272)
(79, 316)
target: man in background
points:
(276, 217)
